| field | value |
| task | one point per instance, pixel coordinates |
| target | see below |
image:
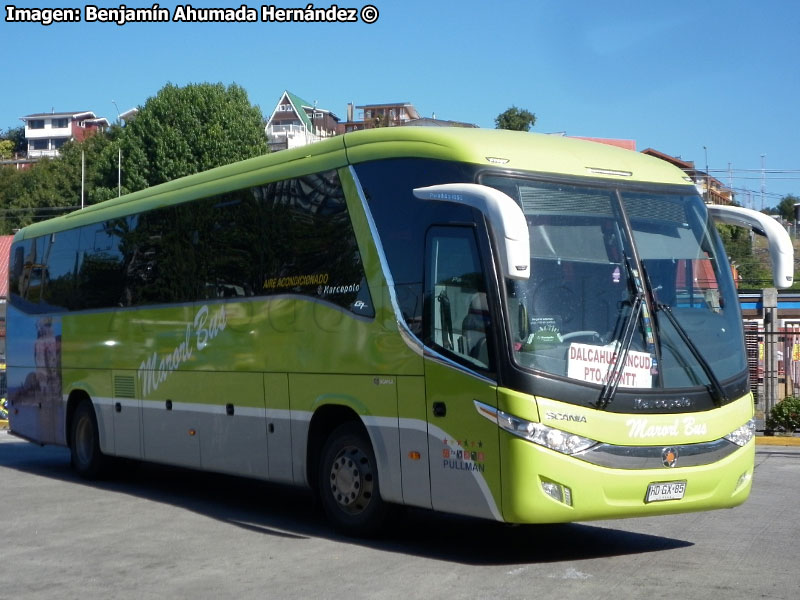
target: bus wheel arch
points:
(344, 472)
(324, 421)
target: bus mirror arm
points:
(781, 251)
(503, 214)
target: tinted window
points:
(313, 250)
(28, 274)
(60, 290)
(230, 245)
(402, 219)
(160, 260)
(101, 271)
(288, 237)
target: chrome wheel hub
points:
(352, 480)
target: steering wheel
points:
(591, 335)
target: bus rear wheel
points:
(348, 482)
(84, 443)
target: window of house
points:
(36, 124)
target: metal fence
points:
(773, 353)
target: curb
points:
(768, 440)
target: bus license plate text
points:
(671, 490)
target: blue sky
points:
(676, 76)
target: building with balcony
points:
(45, 133)
(710, 188)
(379, 115)
(295, 122)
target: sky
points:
(715, 82)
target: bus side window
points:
(32, 273)
(457, 318)
(100, 274)
(17, 267)
(59, 291)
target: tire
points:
(348, 483)
(84, 443)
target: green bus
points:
(513, 326)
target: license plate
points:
(670, 490)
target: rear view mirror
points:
(781, 251)
(505, 217)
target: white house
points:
(296, 122)
(47, 132)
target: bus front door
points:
(463, 445)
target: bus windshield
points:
(656, 311)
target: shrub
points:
(785, 415)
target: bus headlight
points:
(549, 437)
(743, 434)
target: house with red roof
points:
(47, 132)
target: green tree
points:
(6, 148)
(786, 207)
(517, 119)
(184, 130)
(15, 135)
(100, 156)
(52, 186)
(34, 194)
(753, 268)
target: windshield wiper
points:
(717, 391)
(615, 373)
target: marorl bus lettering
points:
(154, 371)
(688, 426)
(357, 304)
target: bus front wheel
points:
(348, 482)
(84, 442)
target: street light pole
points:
(119, 157)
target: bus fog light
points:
(744, 479)
(558, 492)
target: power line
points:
(768, 171)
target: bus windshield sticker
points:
(594, 363)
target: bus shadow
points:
(291, 513)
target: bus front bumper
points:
(544, 486)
